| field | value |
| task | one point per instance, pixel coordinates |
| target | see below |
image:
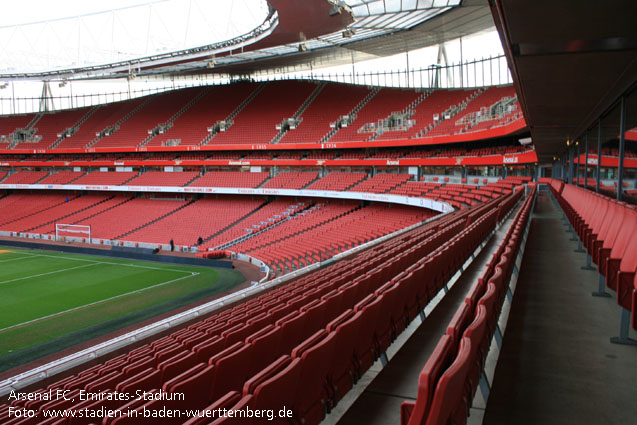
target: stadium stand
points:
(337, 181)
(62, 177)
(354, 155)
(277, 101)
(261, 351)
(230, 179)
(481, 107)
(112, 178)
(161, 178)
(155, 110)
(322, 155)
(291, 180)
(259, 220)
(381, 105)
(295, 155)
(333, 102)
(193, 116)
(201, 218)
(25, 177)
(10, 123)
(381, 183)
(78, 216)
(125, 218)
(422, 116)
(62, 207)
(191, 128)
(21, 205)
(479, 149)
(50, 126)
(257, 155)
(305, 219)
(106, 116)
(327, 239)
(460, 101)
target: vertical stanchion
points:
(622, 142)
(624, 324)
(601, 288)
(599, 155)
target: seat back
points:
(438, 362)
(293, 325)
(459, 322)
(449, 404)
(625, 235)
(265, 346)
(231, 369)
(316, 354)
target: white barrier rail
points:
(363, 196)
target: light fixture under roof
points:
(349, 33)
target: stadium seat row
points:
(449, 378)
(355, 338)
(606, 229)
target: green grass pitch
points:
(51, 300)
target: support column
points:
(599, 154)
(578, 165)
(571, 160)
(622, 142)
(564, 175)
(586, 160)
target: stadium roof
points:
(287, 34)
(570, 62)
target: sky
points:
(37, 35)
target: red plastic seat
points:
(196, 382)
(343, 369)
(449, 404)
(273, 387)
(292, 325)
(366, 346)
(414, 413)
(480, 341)
(231, 369)
(459, 322)
(177, 364)
(316, 354)
(145, 380)
(266, 344)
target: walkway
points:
(557, 365)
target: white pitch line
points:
(19, 258)
(107, 262)
(47, 273)
(97, 302)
